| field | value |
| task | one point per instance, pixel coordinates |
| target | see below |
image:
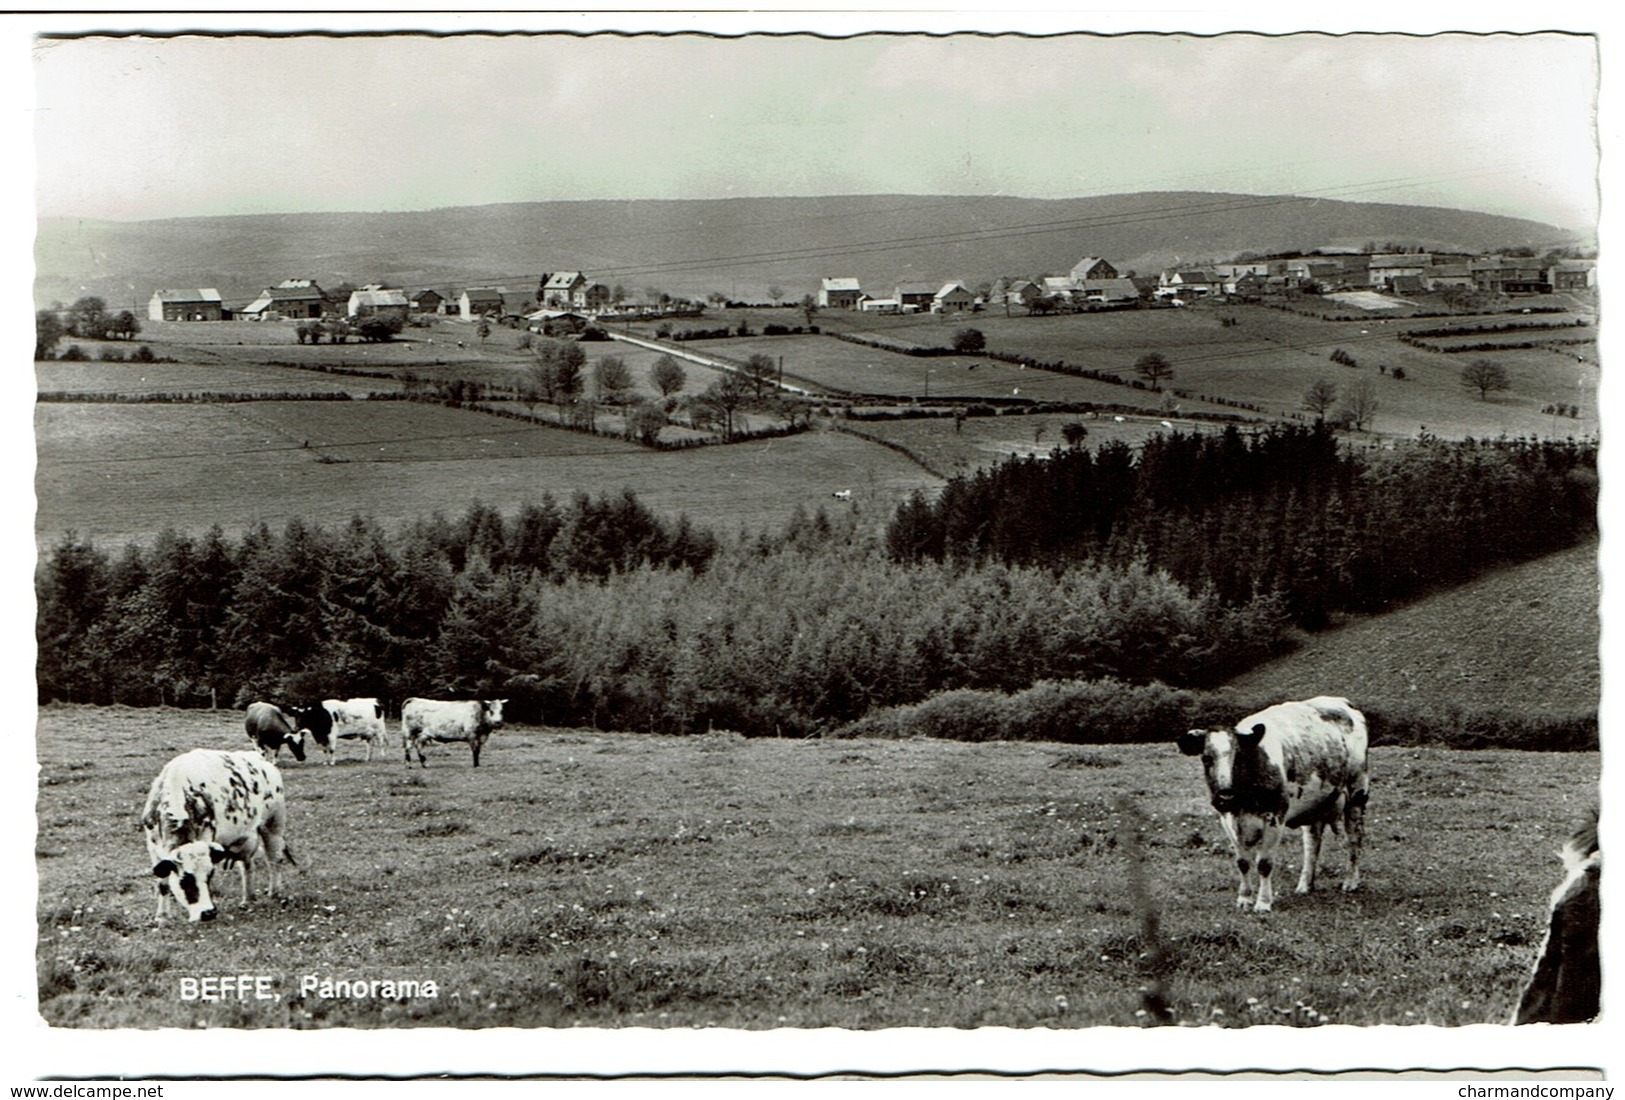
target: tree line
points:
(1283, 510)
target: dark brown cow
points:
(270, 728)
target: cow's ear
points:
(1253, 734)
(216, 853)
(1191, 742)
(164, 868)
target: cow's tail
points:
(287, 853)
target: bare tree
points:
(1320, 397)
(1486, 377)
(1360, 404)
(1153, 367)
(760, 371)
(723, 399)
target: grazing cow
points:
(1293, 764)
(1566, 985)
(270, 728)
(432, 720)
(313, 719)
(357, 719)
(842, 494)
(209, 807)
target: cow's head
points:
(313, 721)
(295, 743)
(493, 711)
(1220, 750)
(184, 874)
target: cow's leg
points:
(1268, 844)
(163, 902)
(1244, 863)
(245, 871)
(1354, 833)
(474, 743)
(1313, 833)
(1247, 832)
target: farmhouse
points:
(564, 290)
(1092, 267)
(1442, 275)
(374, 301)
(1051, 286)
(952, 298)
(840, 293)
(1109, 291)
(300, 298)
(914, 296)
(556, 322)
(477, 301)
(1196, 283)
(427, 301)
(185, 305)
(1572, 275)
(1510, 275)
(1384, 268)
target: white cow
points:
(1566, 984)
(357, 719)
(1300, 764)
(208, 807)
(470, 720)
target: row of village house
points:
(558, 296)
(569, 296)
(1095, 281)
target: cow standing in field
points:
(470, 720)
(357, 719)
(206, 808)
(270, 728)
(1566, 985)
(1300, 764)
(314, 721)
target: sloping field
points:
(1521, 639)
(625, 880)
(129, 380)
(1269, 357)
(120, 473)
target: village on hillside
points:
(564, 302)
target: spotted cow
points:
(357, 719)
(1299, 764)
(470, 720)
(312, 720)
(206, 808)
(1566, 985)
(270, 728)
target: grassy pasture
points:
(118, 473)
(1270, 357)
(1522, 639)
(987, 441)
(627, 880)
(137, 379)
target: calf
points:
(270, 728)
(1566, 985)
(470, 720)
(206, 808)
(354, 719)
(1300, 764)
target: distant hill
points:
(1523, 639)
(739, 247)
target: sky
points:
(152, 127)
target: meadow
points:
(627, 880)
(116, 473)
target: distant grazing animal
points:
(357, 719)
(1290, 765)
(842, 494)
(469, 720)
(271, 728)
(313, 720)
(206, 808)
(1566, 985)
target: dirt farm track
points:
(628, 880)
